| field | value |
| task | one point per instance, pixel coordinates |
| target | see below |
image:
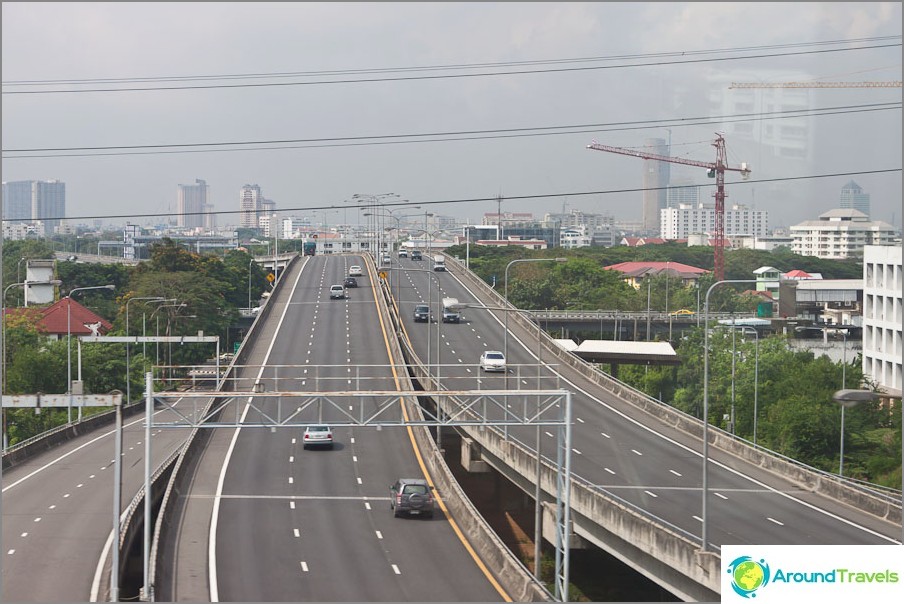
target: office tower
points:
(48, 203)
(250, 206)
(17, 200)
(655, 181)
(191, 205)
(853, 198)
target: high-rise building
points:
(853, 198)
(683, 192)
(17, 200)
(191, 205)
(655, 183)
(48, 203)
(882, 317)
(250, 206)
(693, 219)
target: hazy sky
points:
(638, 77)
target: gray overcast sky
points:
(75, 40)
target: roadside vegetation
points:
(212, 288)
(795, 413)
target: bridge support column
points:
(549, 529)
(470, 457)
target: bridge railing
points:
(870, 498)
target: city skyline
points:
(430, 125)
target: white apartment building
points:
(250, 205)
(575, 237)
(838, 234)
(882, 316)
(689, 219)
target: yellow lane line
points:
(420, 461)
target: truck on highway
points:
(450, 311)
(439, 263)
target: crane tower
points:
(715, 170)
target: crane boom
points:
(889, 84)
(717, 169)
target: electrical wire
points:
(463, 135)
(240, 76)
(451, 76)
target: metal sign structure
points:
(495, 410)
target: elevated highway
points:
(261, 519)
(637, 488)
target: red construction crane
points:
(716, 170)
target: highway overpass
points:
(637, 468)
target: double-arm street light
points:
(128, 355)
(69, 345)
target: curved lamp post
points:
(703, 536)
(69, 340)
(505, 335)
(55, 282)
(128, 355)
(849, 398)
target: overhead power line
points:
(459, 66)
(457, 75)
(424, 137)
(473, 199)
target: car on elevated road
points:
(412, 496)
(355, 271)
(492, 360)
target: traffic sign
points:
(270, 277)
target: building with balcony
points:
(883, 317)
(840, 234)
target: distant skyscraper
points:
(17, 200)
(250, 205)
(684, 192)
(48, 203)
(192, 204)
(853, 198)
(655, 181)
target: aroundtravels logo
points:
(748, 575)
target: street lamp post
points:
(3, 341)
(69, 344)
(128, 355)
(705, 544)
(505, 335)
(250, 264)
(756, 378)
(849, 398)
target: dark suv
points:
(421, 313)
(411, 495)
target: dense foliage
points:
(195, 293)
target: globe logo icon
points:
(748, 575)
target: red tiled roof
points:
(656, 267)
(56, 318)
(798, 274)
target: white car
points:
(317, 436)
(492, 360)
(337, 292)
(355, 271)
